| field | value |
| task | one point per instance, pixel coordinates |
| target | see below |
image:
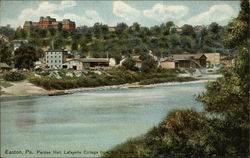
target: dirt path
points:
(23, 88)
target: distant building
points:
(175, 29)
(54, 59)
(97, 62)
(112, 29)
(198, 28)
(74, 64)
(189, 60)
(167, 64)
(86, 63)
(4, 38)
(19, 43)
(4, 67)
(213, 59)
(48, 22)
(227, 61)
(136, 58)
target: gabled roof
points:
(4, 65)
(186, 56)
(94, 60)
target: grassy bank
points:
(163, 80)
(106, 78)
(178, 135)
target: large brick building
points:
(48, 22)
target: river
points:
(87, 121)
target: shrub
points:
(168, 79)
(14, 76)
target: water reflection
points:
(25, 119)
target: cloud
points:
(88, 17)
(160, 12)
(67, 4)
(125, 11)
(217, 13)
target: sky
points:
(147, 13)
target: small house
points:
(189, 60)
(4, 67)
(213, 59)
(74, 64)
(167, 64)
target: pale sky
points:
(146, 13)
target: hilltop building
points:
(48, 22)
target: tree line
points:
(98, 41)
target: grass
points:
(6, 84)
(163, 80)
(115, 76)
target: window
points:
(59, 61)
(51, 61)
(55, 61)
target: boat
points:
(55, 93)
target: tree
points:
(120, 28)
(214, 28)
(7, 31)
(25, 56)
(148, 64)
(5, 53)
(229, 95)
(222, 130)
(129, 64)
(188, 30)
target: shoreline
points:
(35, 91)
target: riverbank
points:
(25, 88)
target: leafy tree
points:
(7, 31)
(121, 27)
(214, 28)
(229, 95)
(129, 64)
(25, 56)
(5, 53)
(148, 64)
(188, 30)
(222, 130)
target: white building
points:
(55, 58)
(74, 64)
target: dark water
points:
(90, 121)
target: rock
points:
(98, 72)
(69, 74)
(55, 74)
(78, 73)
(36, 75)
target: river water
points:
(88, 122)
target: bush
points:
(168, 79)
(14, 76)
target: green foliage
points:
(163, 80)
(5, 53)
(126, 40)
(110, 77)
(178, 135)
(5, 84)
(14, 76)
(7, 31)
(222, 130)
(129, 64)
(148, 64)
(25, 57)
